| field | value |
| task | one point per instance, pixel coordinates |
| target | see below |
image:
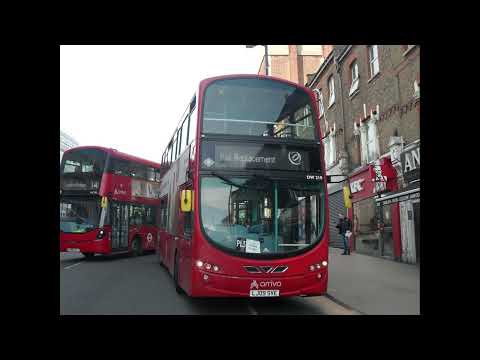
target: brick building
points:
(369, 100)
(294, 62)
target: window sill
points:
(373, 77)
(354, 94)
(409, 50)
(329, 167)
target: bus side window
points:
(163, 212)
(177, 138)
(167, 212)
(170, 151)
(150, 174)
(119, 167)
(183, 131)
(192, 132)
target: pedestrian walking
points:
(344, 229)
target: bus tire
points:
(137, 246)
(160, 261)
(178, 289)
(88, 255)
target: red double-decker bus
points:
(243, 200)
(108, 202)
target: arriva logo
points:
(269, 283)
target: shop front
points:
(376, 229)
(408, 201)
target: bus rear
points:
(260, 211)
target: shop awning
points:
(410, 193)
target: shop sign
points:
(410, 160)
(361, 185)
(384, 176)
(375, 179)
(400, 197)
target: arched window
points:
(354, 78)
(373, 60)
(331, 88)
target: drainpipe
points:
(343, 151)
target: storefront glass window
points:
(387, 235)
(365, 227)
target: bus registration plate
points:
(73, 250)
(264, 293)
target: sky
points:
(131, 98)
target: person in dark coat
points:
(343, 226)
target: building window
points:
(354, 75)
(369, 142)
(371, 148)
(330, 150)
(407, 48)
(416, 88)
(373, 60)
(365, 227)
(320, 103)
(326, 148)
(331, 88)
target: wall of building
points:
(294, 62)
(391, 91)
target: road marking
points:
(252, 310)
(69, 267)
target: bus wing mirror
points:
(186, 201)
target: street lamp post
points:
(266, 57)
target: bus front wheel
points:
(88, 255)
(136, 247)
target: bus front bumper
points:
(99, 246)
(207, 284)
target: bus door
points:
(184, 240)
(119, 226)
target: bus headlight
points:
(324, 263)
(101, 234)
(199, 263)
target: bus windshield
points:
(261, 215)
(82, 169)
(258, 107)
(79, 216)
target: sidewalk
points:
(372, 285)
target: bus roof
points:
(118, 154)
(257, 76)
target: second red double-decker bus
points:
(243, 209)
(108, 202)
